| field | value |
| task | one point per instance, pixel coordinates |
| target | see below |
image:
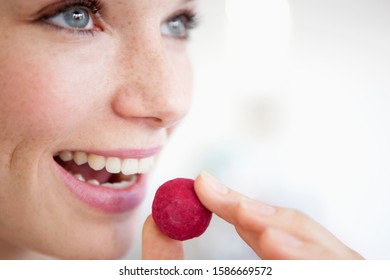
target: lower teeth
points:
(118, 185)
(94, 182)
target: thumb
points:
(157, 246)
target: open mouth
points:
(106, 172)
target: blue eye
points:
(73, 18)
(177, 27)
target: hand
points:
(272, 232)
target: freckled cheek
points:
(185, 78)
(189, 84)
(52, 95)
(188, 75)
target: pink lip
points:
(106, 199)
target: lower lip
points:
(105, 199)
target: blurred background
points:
(291, 107)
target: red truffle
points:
(177, 210)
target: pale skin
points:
(124, 86)
(123, 81)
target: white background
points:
(291, 107)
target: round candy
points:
(178, 212)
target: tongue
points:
(102, 176)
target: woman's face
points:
(87, 89)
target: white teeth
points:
(94, 182)
(113, 165)
(79, 177)
(129, 166)
(144, 165)
(80, 158)
(96, 162)
(66, 156)
(120, 185)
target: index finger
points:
(230, 205)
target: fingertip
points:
(201, 188)
(205, 191)
(157, 246)
(209, 183)
(149, 226)
(216, 197)
(200, 181)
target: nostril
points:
(161, 123)
(153, 112)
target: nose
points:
(154, 82)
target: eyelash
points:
(95, 7)
(191, 21)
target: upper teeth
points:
(114, 165)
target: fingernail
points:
(285, 238)
(257, 207)
(214, 183)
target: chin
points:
(98, 253)
(101, 240)
(110, 248)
